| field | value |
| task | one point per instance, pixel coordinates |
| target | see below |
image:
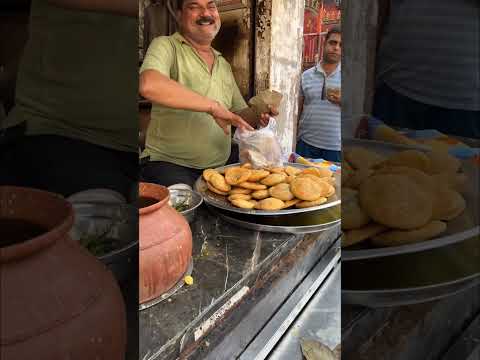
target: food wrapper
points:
(260, 148)
(263, 100)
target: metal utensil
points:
(189, 198)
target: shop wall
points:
(279, 31)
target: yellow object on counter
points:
(304, 161)
(188, 280)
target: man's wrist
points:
(212, 106)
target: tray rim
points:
(361, 254)
(405, 296)
(326, 205)
(280, 229)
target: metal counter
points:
(241, 277)
(312, 312)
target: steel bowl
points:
(180, 187)
(189, 198)
(118, 222)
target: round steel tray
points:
(415, 273)
(221, 202)
(408, 296)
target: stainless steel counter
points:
(311, 312)
(320, 321)
(241, 277)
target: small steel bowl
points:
(190, 198)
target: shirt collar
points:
(180, 38)
(319, 68)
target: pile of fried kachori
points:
(403, 198)
(272, 188)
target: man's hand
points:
(224, 117)
(335, 99)
(265, 117)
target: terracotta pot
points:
(165, 243)
(57, 300)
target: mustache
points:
(204, 19)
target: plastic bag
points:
(260, 147)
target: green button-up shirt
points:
(189, 138)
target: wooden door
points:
(235, 41)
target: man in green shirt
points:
(195, 99)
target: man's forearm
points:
(300, 111)
(162, 90)
(300, 108)
(120, 7)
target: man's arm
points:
(300, 111)
(119, 7)
(300, 108)
(162, 90)
(300, 105)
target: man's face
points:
(332, 53)
(199, 20)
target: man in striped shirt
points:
(428, 66)
(319, 130)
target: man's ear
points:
(178, 16)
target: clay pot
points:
(165, 243)
(57, 300)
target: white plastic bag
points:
(260, 147)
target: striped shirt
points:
(319, 124)
(430, 52)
